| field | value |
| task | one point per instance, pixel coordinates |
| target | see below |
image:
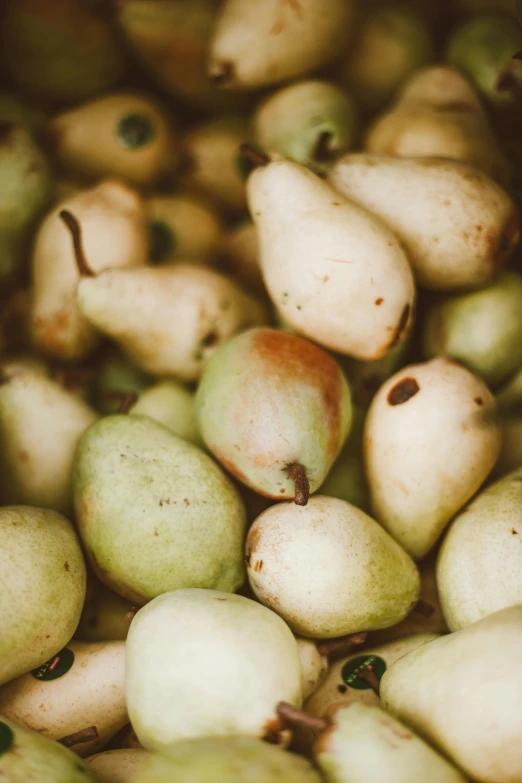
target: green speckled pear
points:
(119, 766)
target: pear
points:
(184, 526)
(427, 450)
(113, 234)
(262, 43)
(239, 255)
(182, 227)
(255, 664)
(106, 616)
(462, 693)
(456, 224)
(125, 135)
(484, 540)
(482, 329)
(60, 51)
(482, 48)
(172, 405)
(511, 450)
(14, 109)
(355, 294)
(438, 114)
(328, 569)
(275, 410)
(309, 122)
(346, 479)
(117, 374)
(119, 766)
(42, 587)
(26, 756)
(82, 686)
(25, 191)
(40, 425)
(366, 378)
(314, 666)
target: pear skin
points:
(106, 616)
(511, 450)
(239, 255)
(314, 666)
(119, 766)
(172, 405)
(182, 227)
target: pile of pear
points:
(260, 391)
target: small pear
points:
(346, 479)
(181, 227)
(239, 255)
(335, 272)
(309, 122)
(81, 686)
(511, 451)
(482, 329)
(119, 766)
(117, 374)
(262, 43)
(275, 410)
(113, 234)
(427, 450)
(26, 756)
(172, 405)
(456, 224)
(123, 135)
(184, 526)
(106, 616)
(314, 666)
(462, 693)
(42, 587)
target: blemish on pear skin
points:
(258, 566)
(424, 609)
(66, 565)
(401, 326)
(479, 401)
(379, 301)
(514, 532)
(403, 391)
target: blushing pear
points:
(106, 616)
(181, 227)
(119, 766)
(314, 666)
(172, 405)
(239, 255)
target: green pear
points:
(462, 693)
(181, 227)
(42, 587)
(355, 294)
(309, 122)
(106, 616)
(511, 450)
(117, 374)
(456, 224)
(482, 329)
(119, 766)
(184, 526)
(26, 756)
(329, 569)
(262, 43)
(40, 425)
(482, 48)
(59, 51)
(346, 479)
(14, 109)
(255, 664)
(172, 405)
(314, 666)
(438, 114)
(366, 378)
(83, 685)
(113, 233)
(275, 410)
(239, 255)
(124, 135)
(427, 450)
(484, 541)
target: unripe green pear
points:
(239, 255)
(119, 766)
(106, 616)
(346, 479)
(181, 227)
(117, 374)
(275, 410)
(172, 405)
(42, 587)
(314, 665)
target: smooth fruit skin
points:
(314, 666)
(268, 400)
(119, 766)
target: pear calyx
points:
(329, 646)
(297, 473)
(76, 233)
(85, 735)
(290, 717)
(221, 74)
(254, 155)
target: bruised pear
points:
(275, 410)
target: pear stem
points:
(129, 617)
(291, 717)
(79, 737)
(328, 646)
(368, 675)
(76, 233)
(297, 474)
(322, 152)
(256, 157)
(127, 400)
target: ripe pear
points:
(309, 122)
(124, 135)
(117, 374)
(346, 479)
(184, 526)
(82, 686)
(113, 233)
(26, 756)
(106, 616)
(427, 449)
(462, 693)
(275, 410)
(314, 666)
(456, 224)
(169, 319)
(438, 114)
(172, 405)
(239, 255)
(40, 425)
(181, 227)
(511, 450)
(60, 51)
(355, 293)
(329, 569)
(119, 766)
(262, 43)
(42, 587)
(255, 664)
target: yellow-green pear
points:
(119, 766)
(427, 450)
(262, 43)
(106, 616)
(113, 233)
(172, 405)
(346, 479)
(334, 271)
(462, 693)
(83, 685)
(255, 665)
(239, 255)
(457, 225)
(181, 227)
(42, 587)
(117, 374)
(314, 665)
(511, 450)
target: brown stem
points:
(253, 155)
(290, 717)
(129, 617)
(297, 474)
(127, 400)
(328, 646)
(76, 233)
(322, 152)
(368, 675)
(79, 737)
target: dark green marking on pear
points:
(56, 666)
(6, 738)
(162, 242)
(135, 130)
(350, 670)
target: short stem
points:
(297, 474)
(76, 233)
(127, 400)
(328, 646)
(322, 152)
(79, 737)
(129, 617)
(291, 717)
(253, 155)
(368, 675)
